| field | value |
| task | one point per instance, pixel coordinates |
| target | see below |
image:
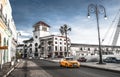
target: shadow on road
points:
(47, 65)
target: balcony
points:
(4, 19)
(6, 23)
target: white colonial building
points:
(53, 46)
(43, 44)
(7, 32)
(41, 29)
(93, 50)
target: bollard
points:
(12, 63)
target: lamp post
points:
(18, 34)
(64, 30)
(97, 9)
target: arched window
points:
(30, 45)
(35, 36)
(30, 50)
(107, 49)
(4, 41)
(88, 49)
(64, 48)
(36, 44)
(60, 48)
(1, 8)
(7, 42)
(81, 48)
(25, 45)
(55, 48)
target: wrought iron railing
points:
(4, 19)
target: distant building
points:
(90, 49)
(43, 44)
(20, 50)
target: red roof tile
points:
(41, 23)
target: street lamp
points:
(18, 34)
(64, 30)
(94, 8)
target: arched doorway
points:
(36, 50)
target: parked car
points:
(69, 62)
(111, 60)
(82, 59)
(30, 57)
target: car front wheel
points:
(66, 65)
(60, 65)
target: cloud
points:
(57, 13)
(85, 30)
(25, 35)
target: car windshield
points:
(113, 58)
(82, 58)
(69, 58)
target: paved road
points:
(27, 68)
(51, 69)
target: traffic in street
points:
(45, 68)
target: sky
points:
(56, 13)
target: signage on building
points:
(3, 47)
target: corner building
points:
(7, 32)
(44, 44)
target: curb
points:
(106, 69)
(51, 61)
(10, 70)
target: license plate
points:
(75, 64)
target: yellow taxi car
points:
(69, 62)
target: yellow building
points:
(6, 22)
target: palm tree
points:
(64, 30)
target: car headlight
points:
(78, 63)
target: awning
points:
(3, 47)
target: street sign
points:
(3, 47)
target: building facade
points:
(41, 29)
(54, 46)
(7, 28)
(92, 50)
(43, 44)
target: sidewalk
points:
(29, 68)
(6, 69)
(108, 66)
